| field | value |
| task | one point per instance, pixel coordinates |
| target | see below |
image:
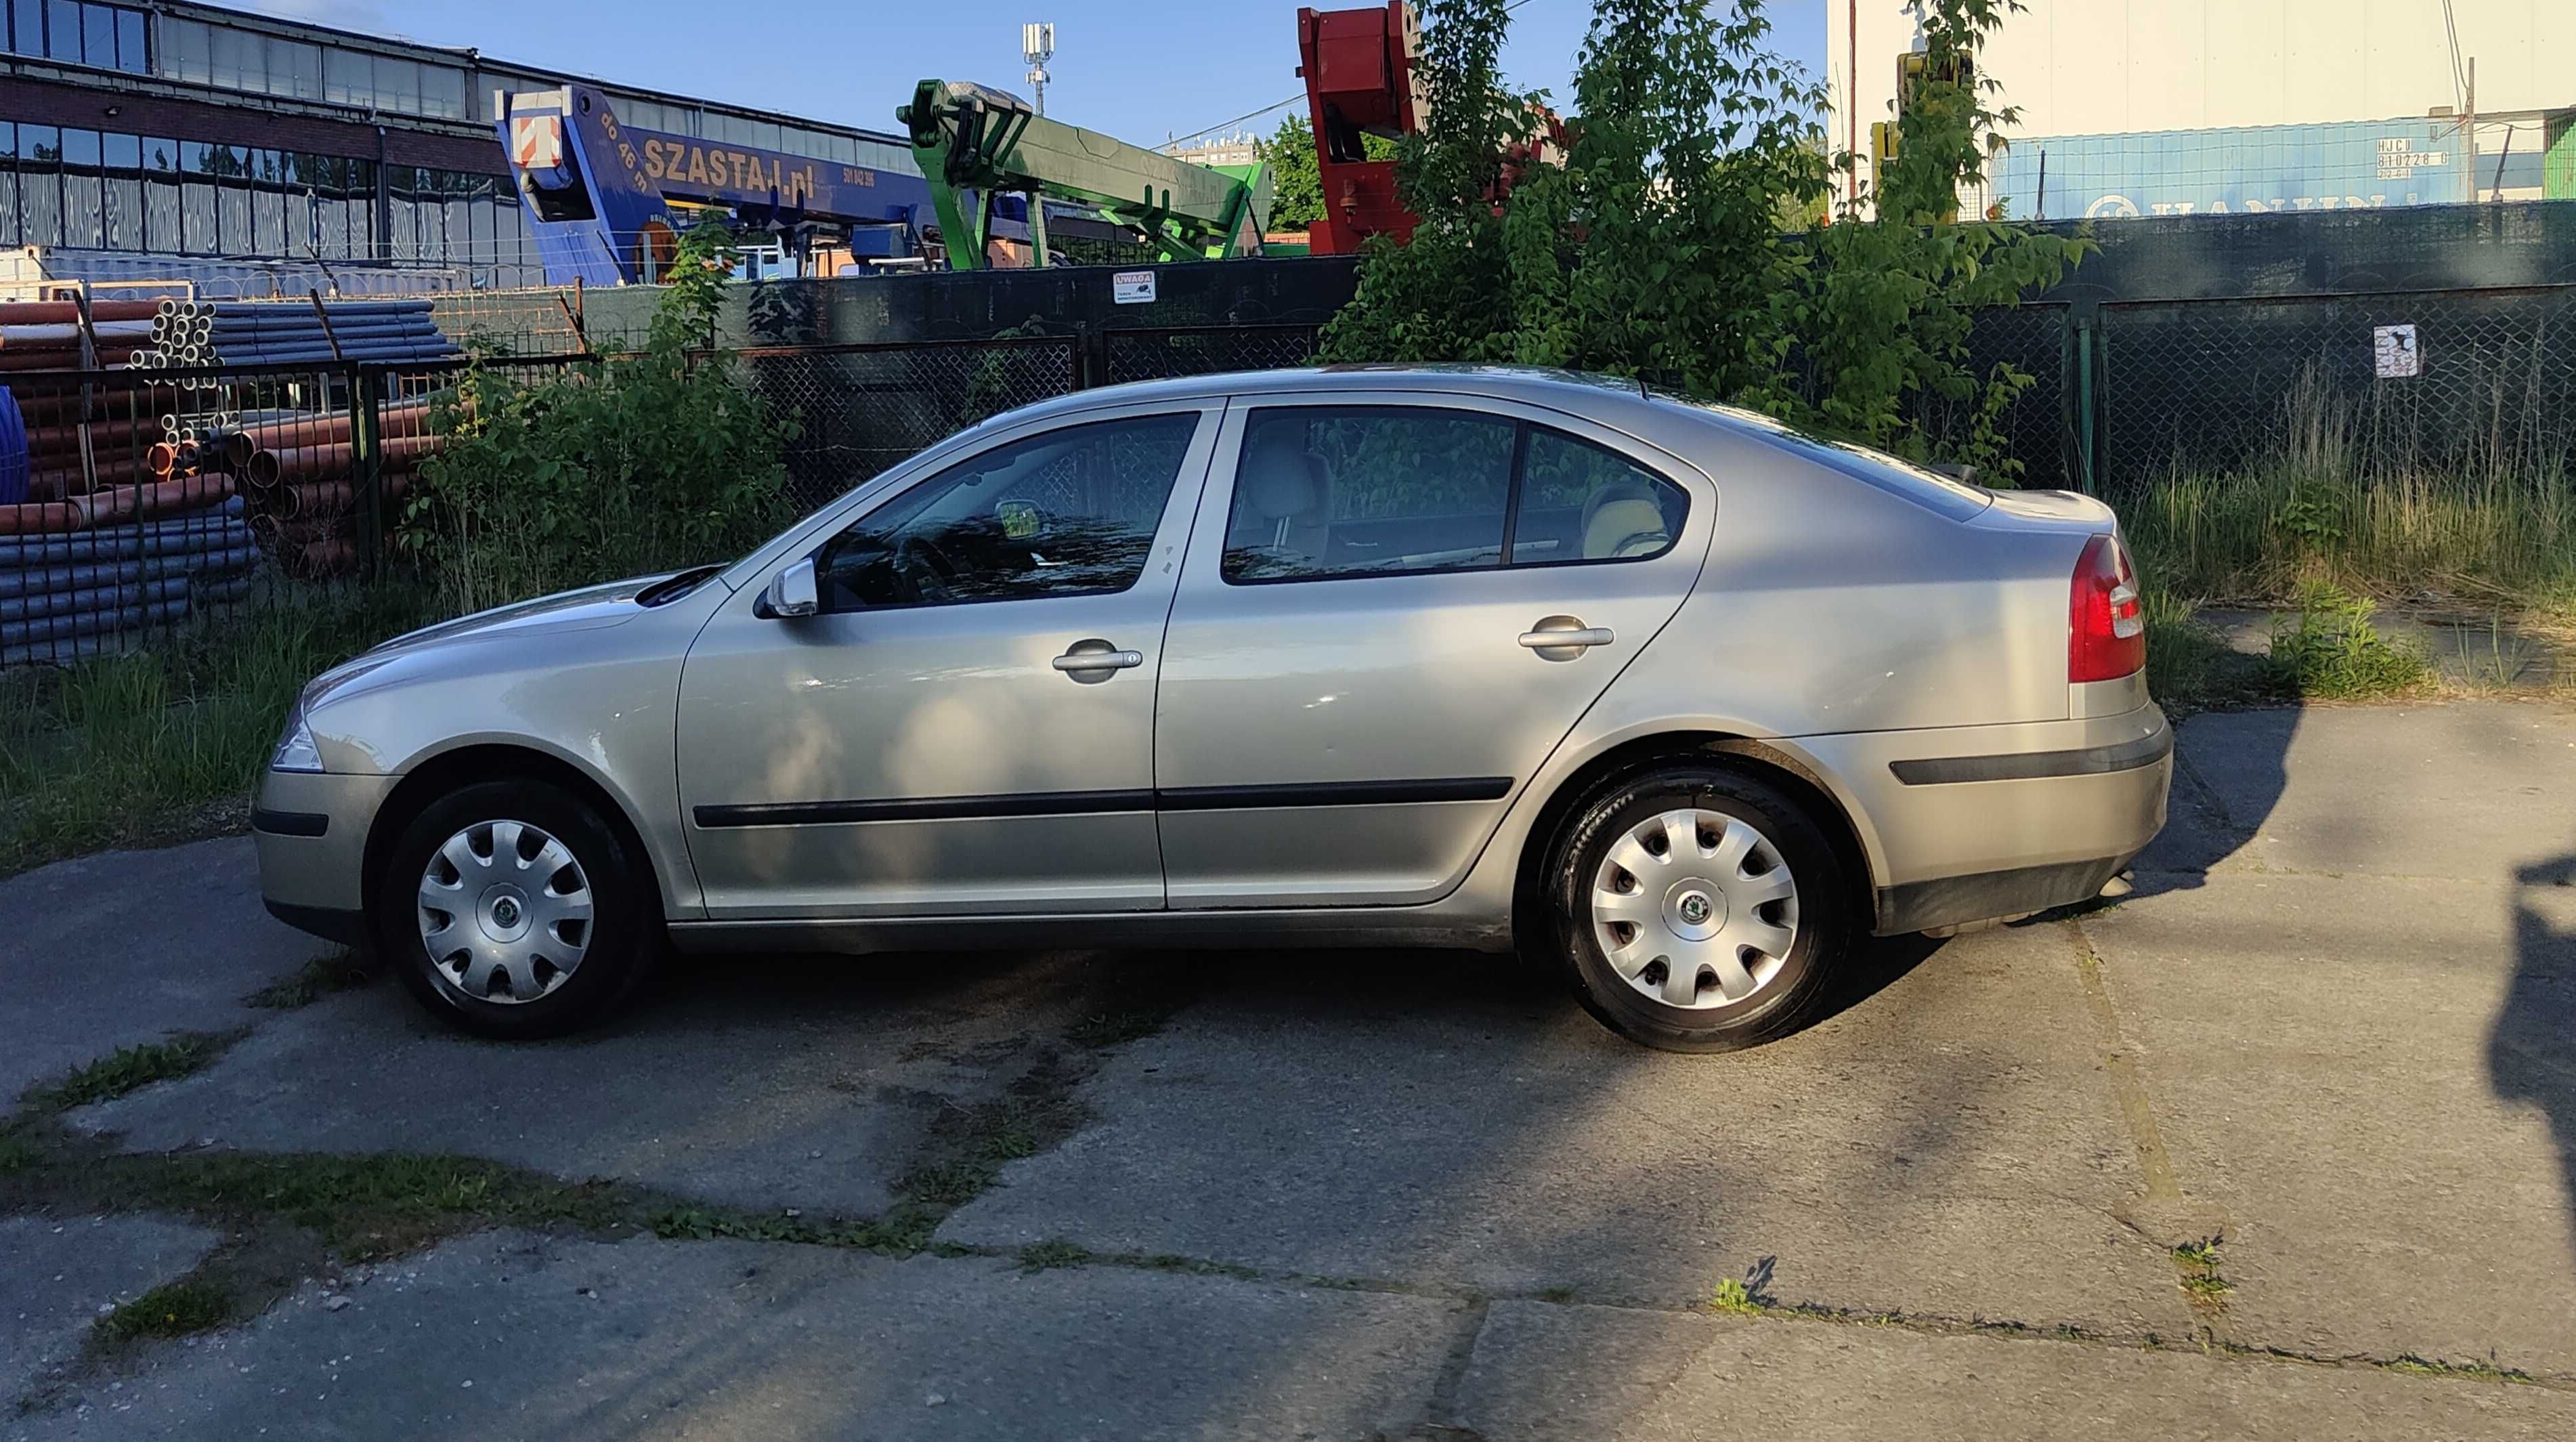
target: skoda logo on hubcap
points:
(1695, 909)
(505, 912)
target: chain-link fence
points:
(1138, 355)
(860, 409)
(137, 504)
(2443, 383)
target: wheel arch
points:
(439, 775)
(1773, 763)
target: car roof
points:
(1612, 400)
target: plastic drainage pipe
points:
(52, 580)
(96, 598)
(120, 546)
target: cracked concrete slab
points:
(508, 1335)
(126, 946)
(755, 1081)
(57, 1274)
(1945, 1146)
(1541, 1371)
(2369, 1077)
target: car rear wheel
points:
(514, 909)
(1698, 908)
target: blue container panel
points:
(2344, 165)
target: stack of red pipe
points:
(298, 478)
(44, 335)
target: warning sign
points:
(1132, 287)
(536, 141)
(2395, 350)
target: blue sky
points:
(1137, 69)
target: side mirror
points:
(791, 592)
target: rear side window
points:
(1582, 502)
(1325, 492)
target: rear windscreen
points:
(1929, 489)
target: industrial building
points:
(256, 155)
(2149, 107)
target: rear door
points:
(1362, 666)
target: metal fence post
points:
(366, 401)
(2080, 352)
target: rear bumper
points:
(311, 830)
(1987, 821)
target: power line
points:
(1280, 105)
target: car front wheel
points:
(513, 909)
(1698, 908)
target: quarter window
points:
(1069, 513)
(1327, 492)
(1582, 502)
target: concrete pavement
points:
(1406, 1194)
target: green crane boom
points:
(972, 138)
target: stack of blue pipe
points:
(68, 595)
(250, 332)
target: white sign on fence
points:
(1132, 287)
(2393, 346)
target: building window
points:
(8, 183)
(40, 185)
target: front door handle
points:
(1575, 637)
(1098, 660)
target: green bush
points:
(2329, 648)
(612, 468)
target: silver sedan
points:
(1681, 701)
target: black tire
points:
(621, 941)
(1790, 995)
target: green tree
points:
(1655, 248)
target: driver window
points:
(1068, 513)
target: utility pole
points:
(1037, 46)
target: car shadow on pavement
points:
(2230, 769)
(2531, 1053)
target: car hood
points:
(587, 609)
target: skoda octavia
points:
(1682, 701)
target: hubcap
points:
(505, 911)
(1695, 908)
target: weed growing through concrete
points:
(2416, 1366)
(173, 1309)
(1039, 1256)
(1735, 1297)
(316, 979)
(1566, 1294)
(2330, 649)
(2201, 1281)
(132, 1068)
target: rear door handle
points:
(1099, 660)
(1572, 640)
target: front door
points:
(1392, 612)
(968, 725)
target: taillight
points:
(2107, 632)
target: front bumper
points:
(311, 829)
(1981, 822)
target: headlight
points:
(295, 750)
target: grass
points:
(1733, 1296)
(132, 1068)
(2198, 1262)
(1040, 1256)
(322, 976)
(163, 744)
(173, 1309)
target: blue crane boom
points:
(606, 201)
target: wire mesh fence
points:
(139, 505)
(2439, 383)
(859, 409)
(1140, 355)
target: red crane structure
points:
(1360, 68)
